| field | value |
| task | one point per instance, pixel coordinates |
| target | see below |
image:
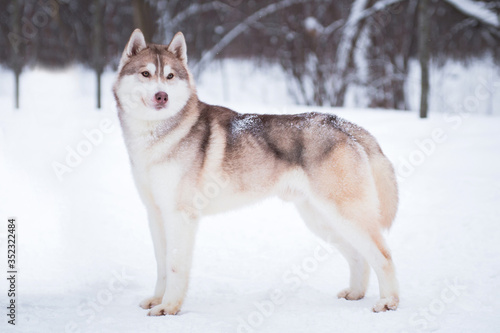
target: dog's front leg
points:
(180, 232)
(159, 244)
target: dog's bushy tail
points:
(387, 188)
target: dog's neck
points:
(143, 135)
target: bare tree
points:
(346, 50)
(142, 19)
(325, 47)
(423, 54)
(97, 41)
(17, 56)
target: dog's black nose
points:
(161, 98)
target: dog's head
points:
(153, 82)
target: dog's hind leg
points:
(360, 273)
(367, 240)
(345, 193)
(373, 247)
(359, 268)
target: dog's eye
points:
(170, 76)
(145, 74)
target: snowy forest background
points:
(326, 49)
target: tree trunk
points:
(99, 74)
(423, 50)
(141, 20)
(97, 47)
(17, 74)
(17, 57)
(346, 52)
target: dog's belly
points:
(228, 200)
(291, 186)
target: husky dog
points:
(190, 159)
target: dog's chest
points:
(162, 181)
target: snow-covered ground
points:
(86, 260)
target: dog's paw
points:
(165, 309)
(388, 303)
(150, 302)
(351, 295)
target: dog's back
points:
(190, 159)
(260, 149)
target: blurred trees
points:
(325, 47)
(57, 33)
(328, 47)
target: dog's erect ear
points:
(178, 47)
(136, 44)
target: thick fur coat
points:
(190, 159)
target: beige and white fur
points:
(334, 171)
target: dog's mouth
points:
(157, 107)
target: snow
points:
(243, 123)
(312, 24)
(475, 89)
(86, 258)
(232, 81)
(349, 33)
